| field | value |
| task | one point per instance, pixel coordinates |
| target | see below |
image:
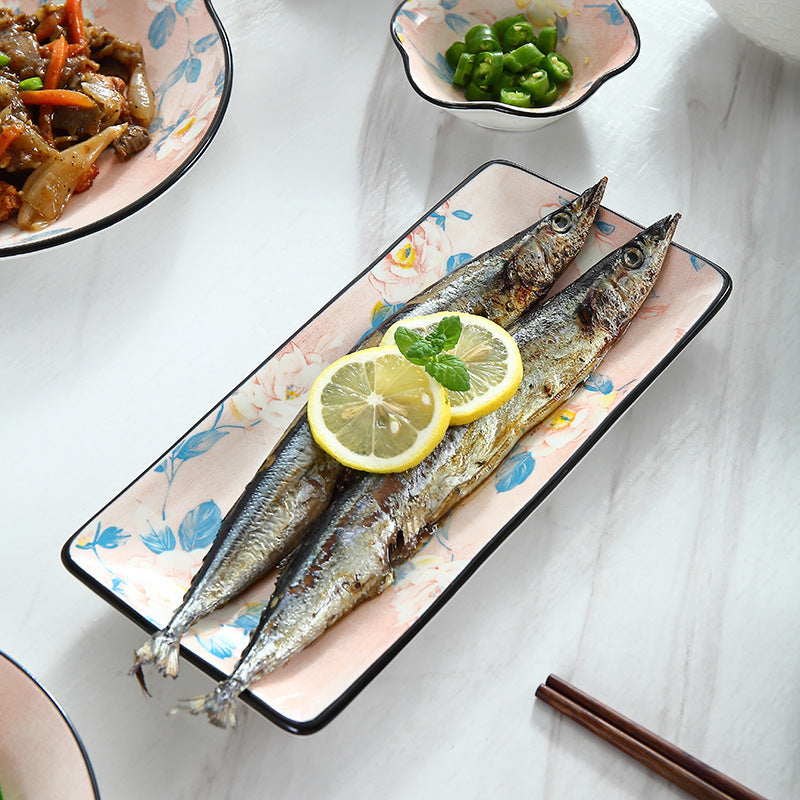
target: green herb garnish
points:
(427, 352)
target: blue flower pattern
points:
(189, 69)
(515, 470)
(610, 12)
(199, 525)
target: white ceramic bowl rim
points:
(63, 715)
(35, 244)
(492, 105)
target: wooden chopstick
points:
(661, 756)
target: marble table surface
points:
(662, 576)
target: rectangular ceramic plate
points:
(140, 551)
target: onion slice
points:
(49, 187)
(141, 100)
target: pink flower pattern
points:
(279, 391)
(419, 260)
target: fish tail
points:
(161, 649)
(218, 706)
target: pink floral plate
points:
(41, 754)
(600, 40)
(188, 61)
(141, 550)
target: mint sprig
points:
(427, 352)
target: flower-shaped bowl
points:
(40, 752)
(188, 61)
(599, 39)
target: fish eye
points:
(633, 257)
(562, 222)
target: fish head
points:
(551, 244)
(625, 277)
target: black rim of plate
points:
(63, 715)
(304, 727)
(492, 105)
(93, 227)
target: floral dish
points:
(600, 40)
(188, 63)
(140, 551)
(41, 754)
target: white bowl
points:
(41, 755)
(600, 41)
(774, 24)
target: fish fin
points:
(136, 670)
(161, 649)
(218, 705)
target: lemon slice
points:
(374, 410)
(491, 356)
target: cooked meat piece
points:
(131, 141)
(77, 123)
(104, 45)
(10, 201)
(23, 50)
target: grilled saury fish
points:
(296, 482)
(379, 519)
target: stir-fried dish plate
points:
(142, 549)
(103, 106)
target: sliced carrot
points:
(58, 57)
(74, 12)
(57, 97)
(72, 49)
(9, 133)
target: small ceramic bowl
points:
(188, 61)
(599, 39)
(40, 752)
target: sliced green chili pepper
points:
(526, 71)
(453, 53)
(31, 84)
(558, 68)
(515, 96)
(549, 97)
(506, 81)
(502, 25)
(475, 92)
(463, 69)
(523, 58)
(518, 34)
(4, 59)
(536, 82)
(481, 38)
(488, 68)
(547, 39)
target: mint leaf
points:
(405, 337)
(420, 352)
(436, 341)
(449, 329)
(450, 371)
